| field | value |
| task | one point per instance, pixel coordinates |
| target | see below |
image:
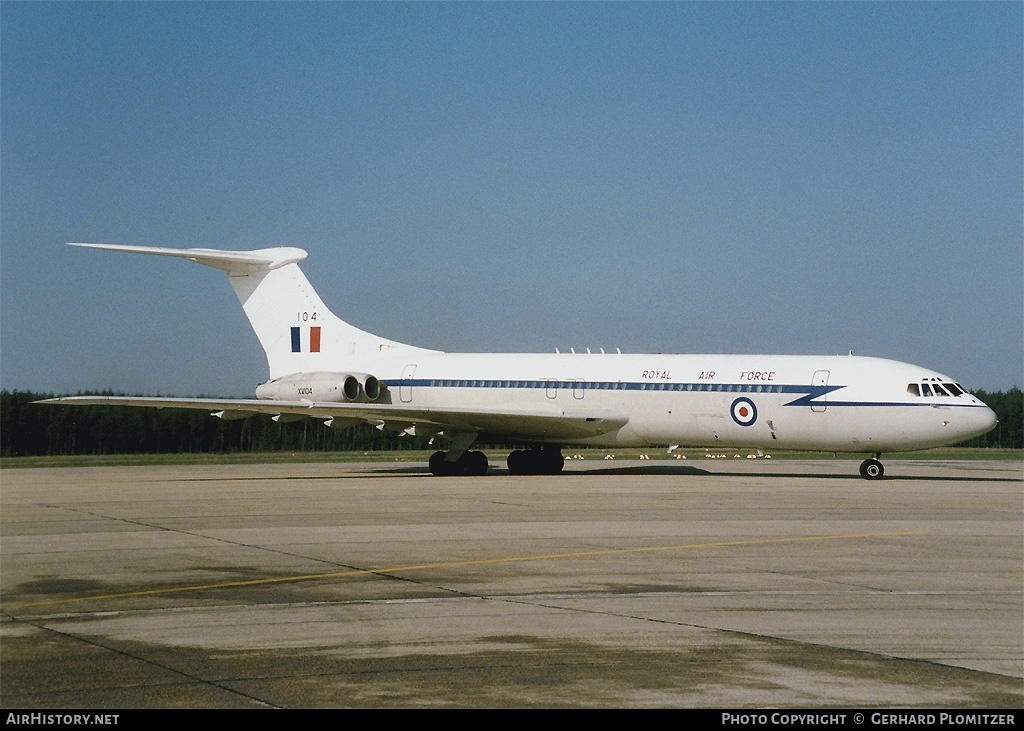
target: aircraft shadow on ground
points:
(419, 470)
(852, 475)
(689, 470)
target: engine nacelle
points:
(322, 387)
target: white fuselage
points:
(830, 403)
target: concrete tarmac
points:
(727, 583)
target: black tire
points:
(545, 461)
(476, 463)
(437, 464)
(517, 462)
(871, 469)
(551, 461)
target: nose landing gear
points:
(872, 469)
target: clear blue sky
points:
(659, 177)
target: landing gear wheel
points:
(518, 462)
(871, 469)
(471, 463)
(475, 462)
(544, 461)
(553, 461)
(437, 464)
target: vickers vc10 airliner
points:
(324, 368)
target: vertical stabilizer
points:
(297, 331)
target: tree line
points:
(1009, 408)
(27, 429)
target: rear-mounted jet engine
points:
(321, 387)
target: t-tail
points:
(296, 329)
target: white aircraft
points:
(323, 368)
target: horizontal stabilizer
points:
(241, 262)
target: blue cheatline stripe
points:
(296, 341)
(807, 394)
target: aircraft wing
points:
(512, 424)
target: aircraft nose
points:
(982, 421)
(989, 420)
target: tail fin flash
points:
(295, 328)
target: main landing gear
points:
(543, 461)
(872, 469)
(470, 463)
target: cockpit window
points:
(930, 387)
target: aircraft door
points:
(405, 388)
(820, 379)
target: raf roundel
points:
(743, 411)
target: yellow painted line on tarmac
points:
(452, 564)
